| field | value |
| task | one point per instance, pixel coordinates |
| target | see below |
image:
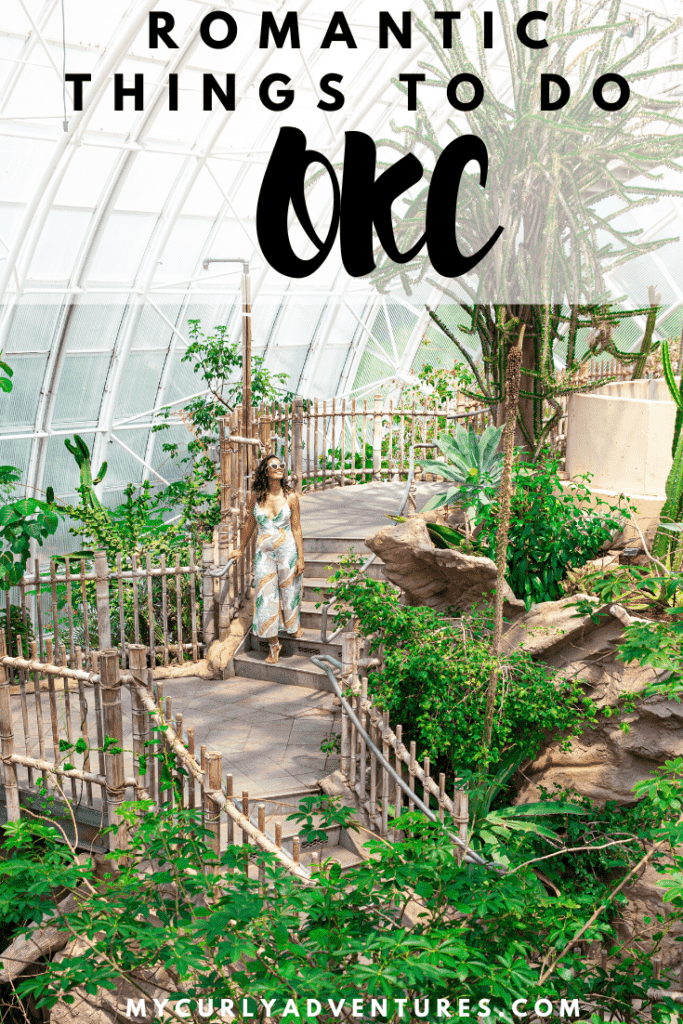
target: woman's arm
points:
(293, 501)
(247, 530)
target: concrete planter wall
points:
(622, 434)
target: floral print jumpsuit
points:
(276, 583)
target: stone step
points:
(295, 670)
(321, 564)
(306, 645)
(336, 545)
(348, 860)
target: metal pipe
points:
(470, 856)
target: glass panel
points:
(148, 181)
(86, 176)
(120, 248)
(59, 244)
(183, 250)
(80, 389)
(23, 162)
(18, 408)
(94, 325)
(139, 385)
(33, 325)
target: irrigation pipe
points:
(470, 856)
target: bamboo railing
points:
(38, 743)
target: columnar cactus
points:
(672, 511)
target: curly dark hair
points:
(261, 479)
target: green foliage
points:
(16, 628)
(9, 478)
(481, 933)
(434, 679)
(20, 523)
(81, 454)
(474, 464)
(659, 644)
(136, 526)
(552, 529)
(639, 588)
(218, 362)
(6, 374)
(668, 541)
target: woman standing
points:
(279, 558)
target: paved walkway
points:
(269, 733)
(356, 511)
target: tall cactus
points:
(81, 454)
(672, 510)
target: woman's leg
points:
(290, 591)
(266, 600)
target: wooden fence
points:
(79, 609)
(379, 795)
(96, 775)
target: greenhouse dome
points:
(112, 222)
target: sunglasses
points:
(276, 465)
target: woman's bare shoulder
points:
(293, 500)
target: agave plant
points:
(475, 465)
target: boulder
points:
(435, 577)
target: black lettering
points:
(452, 92)
(447, 17)
(366, 201)
(412, 80)
(338, 31)
(290, 26)
(230, 30)
(402, 34)
(137, 91)
(488, 30)
(563, 98)
(78, 81)
(442, 206)
(338, 101)
(211, 88)
(283, 183)
(624, 94)
(522, 34)
(286, 95)
(172, 92)
(160, 25)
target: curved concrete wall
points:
(622, 434)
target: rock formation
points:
(435, 577)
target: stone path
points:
(269, 733)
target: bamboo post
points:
(113, 727)
(297, 445)
(377, 438)
(208, 628)
(214, 774)
(7, 739)
(345, 743)
(224, 603)
(102, 599)
(138, 667)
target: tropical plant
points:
(21, 522)
(434, 678)
(86, 488)
(549, 192)
(492, 827)
(276, 948)
(475, 465)
(552, 529)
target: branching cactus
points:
(672, 511)
(81, 454)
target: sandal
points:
(274, 654)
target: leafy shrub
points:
(435, 675)
(551, 530)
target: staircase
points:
(294, 668)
